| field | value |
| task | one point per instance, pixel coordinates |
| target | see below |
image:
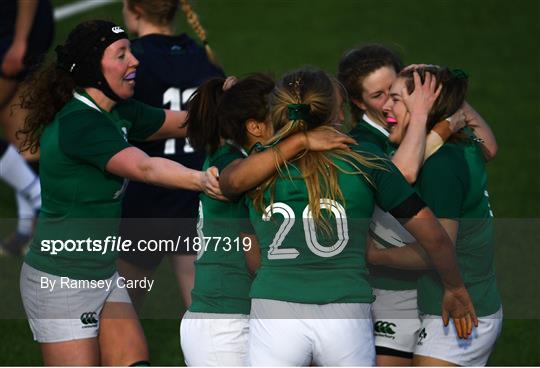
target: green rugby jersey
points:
(80, 199)
(222, 279)
(381, 277)
(366, 130)
(302, 264)
(453, 183)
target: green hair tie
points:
(459, 74)
(298, 112)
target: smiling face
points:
(375, 93)
(397, 115)
(119, 65)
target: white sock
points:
(16, 172)
(26, 214)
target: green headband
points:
(298, 112)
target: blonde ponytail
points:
(193, 20)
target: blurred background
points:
(497, 42)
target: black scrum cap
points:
(83, 50)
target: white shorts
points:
(64, 311)
(442, 343)
(214, 340)
(339, 334)
(396, 319)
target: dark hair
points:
(44, 94)
(360, 62)
(214, 113)
(454, 90)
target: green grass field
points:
(497, 42)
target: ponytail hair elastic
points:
(459, 74)
(298, 112)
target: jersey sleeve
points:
(90, 137)
(145, 119)
(223, 161)
(441, 186)
(390, 187)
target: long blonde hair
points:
(303, 100)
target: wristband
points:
(442, 128)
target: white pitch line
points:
(66, 11)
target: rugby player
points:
(311, 301)
(170, 68)
(453, 183)
(81, 115)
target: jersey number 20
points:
(310, 230)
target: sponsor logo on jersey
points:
(421, 336)
(117, 29)
(89, 319)
(384, 329)
(176, 49)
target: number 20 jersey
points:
(302, 264)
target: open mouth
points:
(391, 120)
(130, 77)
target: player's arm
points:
(13, 59)
(438, 245)
(436, 241)
(134, 164)
(482, 131)
(243, 175)
(173, 126)
(409, 157)
(412, 256)
(420, 221)
(252, 255)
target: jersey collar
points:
(85, 100)
(230, 142)
(375, 125)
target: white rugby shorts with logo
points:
(294, 334)
(442, 343)
(396, 319)
(64, 314)
(214, 340)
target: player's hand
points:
(373, 252)
(419, 102)
(210, 184)
(327, 138)
(13, 60)
(470, 114)
(416, 66)
(457, 304)
(457, 121)
(229, 82)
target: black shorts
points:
(4, 145)
(155, 213)
(39, 41)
